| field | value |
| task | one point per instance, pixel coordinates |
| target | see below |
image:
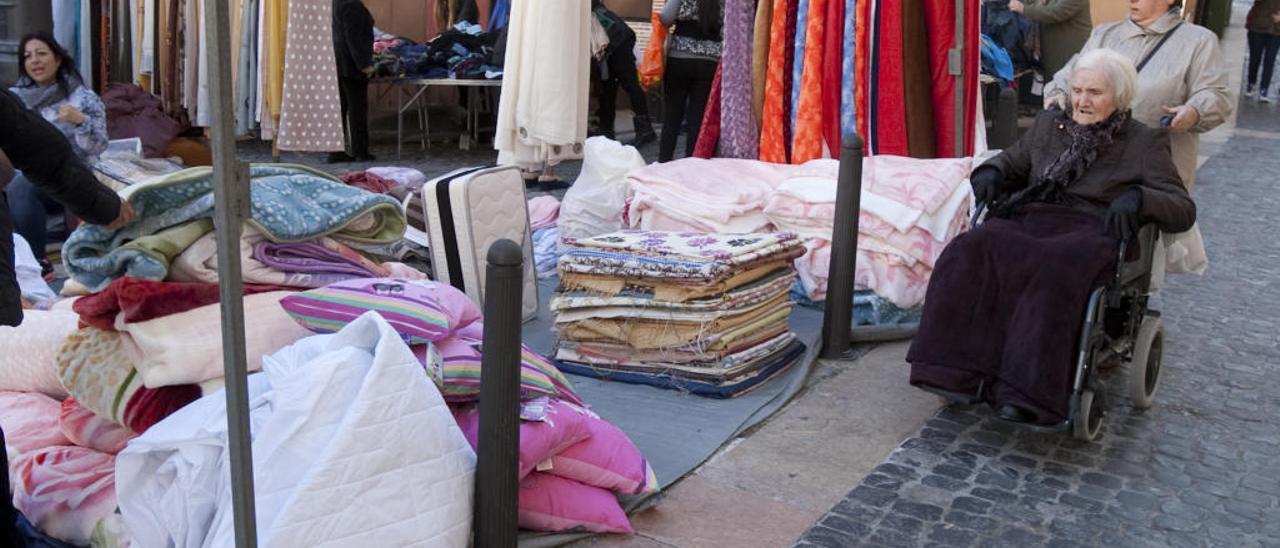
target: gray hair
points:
(1117, 68)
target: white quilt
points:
(352, 446)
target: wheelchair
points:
(1119, 328)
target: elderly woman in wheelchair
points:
(1023, 308)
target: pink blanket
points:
(65, 491)
(911, 209)
(30, 421)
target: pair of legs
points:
(686, 83)
(1262, 51)
(621, 68)
(30, 208)
(353, 94)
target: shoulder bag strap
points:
(1159, 45)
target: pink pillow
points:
(65, 491)
(30, 421)
(607, 460)
(86, 429)
(553, 503)
(558, 426)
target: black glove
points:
(986, 181)
(1123, 221)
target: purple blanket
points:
(1005, 305)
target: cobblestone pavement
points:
(1197, 469)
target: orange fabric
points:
(772, 143)
(808, 139)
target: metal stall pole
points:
(837, 315)
(957, 67)
(1006, 123)
(494, 521)
(231, 207)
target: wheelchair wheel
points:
(1146, 364)
(1088, 417)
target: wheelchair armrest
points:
(1137, 262)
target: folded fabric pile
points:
(462, 52)
(704, 313)
(911, 209)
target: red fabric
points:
(132, 112)
(788, 75)
(832, 61)
(940, 24)
(368, 181)
(772, 148)
(891, 105)
(809, 127)
(151, 405)
(861, 70)
(709, 133)
(142, 300)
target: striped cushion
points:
(459, 373)
(421, 311)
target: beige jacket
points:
(1188, 70)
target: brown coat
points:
(1138, 157)
(1259, 18)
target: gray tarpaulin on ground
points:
(676, 431)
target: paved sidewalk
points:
(1198, 469)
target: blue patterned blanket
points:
(289, 203)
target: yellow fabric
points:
(277, 26)
(644, 334)
(674, 293)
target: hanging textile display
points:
(801, 29)
(772, 134)
(247, 84)
(709, 132)
(832, 62)
(808, 141)
(889, 121)
(311, 115)
(274, 26)
(66, 25)
(147, 56)
(190, 55)
(916, 78)
(848, 101)
(940, 25)
(542, 110)
(739, 136)
(762, 29)
(84, 42)
(203, 115)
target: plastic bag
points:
(594, 204)
(652, 63)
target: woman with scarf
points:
(50, 85)
(1004, 306)
(692, 56)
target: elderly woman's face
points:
(1145, 12)
(1092, 96)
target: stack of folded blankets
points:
(704, 313)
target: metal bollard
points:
(1005, 130)
(837, 319)
(497, 464)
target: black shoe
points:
(643, 139)
(340, 158)
(366, 157)
(549, 184)
(1013, 413)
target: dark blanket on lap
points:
(1005, 306)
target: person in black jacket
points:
(618, 68)
(353, 54)
(46, 158)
